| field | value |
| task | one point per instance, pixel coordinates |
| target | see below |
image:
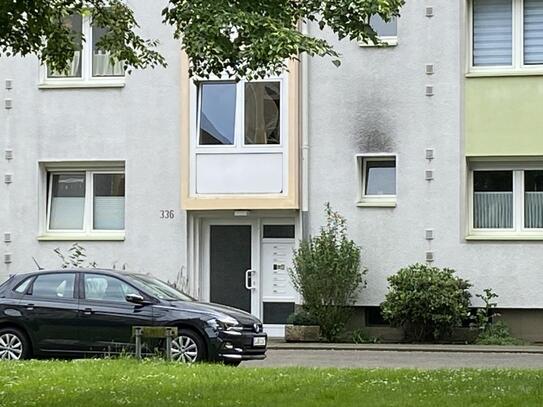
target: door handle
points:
(29, 307)
(87, 311)
(249, 274)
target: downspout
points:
(304, 128)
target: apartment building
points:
(431, 148)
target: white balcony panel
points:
(233, 174)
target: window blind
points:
(533, 32)
(492, 32)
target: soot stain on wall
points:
(373, 134)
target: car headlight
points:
(225, 323)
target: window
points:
(23, 287)
(90, 66)
(386, 31)
(217, 113)
(100, 287)
(262, 113)
(220, 121)
(59, 285)
(85, 202)
(507, 202)
(377, 180)
(75, 24)
(506, 35)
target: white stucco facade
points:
(375, 102)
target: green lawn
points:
(153, 383)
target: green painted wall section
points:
(504, 116)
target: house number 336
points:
(167, 214)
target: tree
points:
(239, 38)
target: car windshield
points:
(160, 289)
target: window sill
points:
(79, 84)
(376, 204)
(504, 237)
(385, 43)
(505, 72)
(81, 237)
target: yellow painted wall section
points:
(504, 116)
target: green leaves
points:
(426, 301)
(234, 38)
(252, 39)
(40, 27)
(327, 273)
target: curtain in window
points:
(493, 210)
(67, 213)
(103, 65)
(533, 32)
(533, 212)
(492, 32)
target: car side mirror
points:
(135, 299)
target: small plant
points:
(301, 317)
(75, 258)
(327, 273)
(482, 318)
(359, 336)
(490, 332)
(428, 302)
(497, 334)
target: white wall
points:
(138, 123)
(375, 102)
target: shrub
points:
(426, 301)
(75, 258)
(327, 274)
(360, 336)
(497, 334)
(301, 317)
(491, 333)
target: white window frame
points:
(363, 200)
(86, 80)
(239, 146)
(386, 40)
(518, 67)
(87, 232)
(518, 231)
(239, 124)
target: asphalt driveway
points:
(391, 359)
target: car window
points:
(22, 287)
(100, 287)
(59, 285)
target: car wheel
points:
(13, 345)
(188, 347)
(233, 363)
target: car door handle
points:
(29, 307)
(88, 311)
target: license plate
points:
(259, 341)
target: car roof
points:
(76, 270)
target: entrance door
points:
(232, 280)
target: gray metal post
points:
(168, 344)
(138, 343)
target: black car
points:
(85, 312)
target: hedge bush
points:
(428, 302)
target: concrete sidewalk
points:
(276, 344)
